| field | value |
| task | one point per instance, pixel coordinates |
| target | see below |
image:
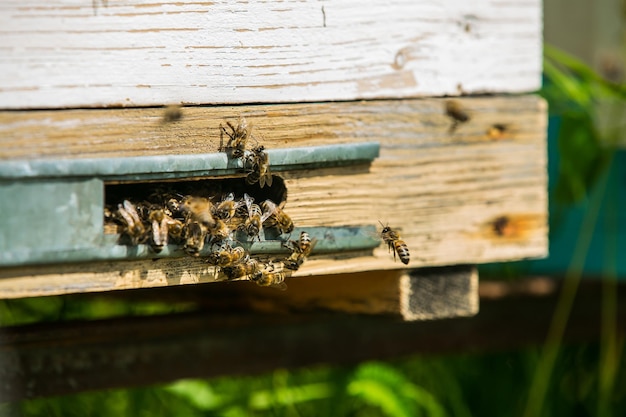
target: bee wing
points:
(125, 215)
(163, 231)
(313, 243)
(230, 197)
(249, 201)
(266, 179)
(130, 209)
(271, 209)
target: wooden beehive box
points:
(360, 89)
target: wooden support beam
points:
(467, 195)
(63, 358)
(422, 294)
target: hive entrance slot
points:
(147, 196)
(212, 188)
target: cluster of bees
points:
(219, 220)
(223, 220)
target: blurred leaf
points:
(382, 386)
(198, 393)
(582, 159)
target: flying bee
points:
(259, 161)
(455, 111)
(269, 276)
(172, 113)
(198, 209)
(395, 244)
(227, 256)
(227, 208)
(253, 224)
(279, 219)
(195, 235)
(300, 251)
(134, 227)
(247, 268)
(237, 138)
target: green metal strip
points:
(185, 166)
(329, 239)
(52, 210)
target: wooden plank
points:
(461, 197)
(64, 358)
(145, 52)
(423, 294)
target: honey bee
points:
(163, 227)
(253, 224)
(226, 209)
(218, 231)
(269, 276)
(198, 209)
(195, 235)
(237, 138)
(173, 206)
(160, 232)
(259, 161)
(175, 228)
(247, 268)
(228, 256)
(455, 111)
(279, 219)
(395, 244)
(134, 227)
(300, 251)
(172, 113)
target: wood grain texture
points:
(423, 294)
(70, 53)
(464, 197)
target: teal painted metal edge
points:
(329, 239)
(185, 166)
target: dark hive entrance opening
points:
(132, 208)
(214, 189)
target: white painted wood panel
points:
(82, 53)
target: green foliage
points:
(575, 93)
(382, 386)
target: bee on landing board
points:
(279, 219)
(247, 268)
(226, 209)
(227, 256)
(259, 162)
(270, 276)
(253, 225)
(195, 235)
(300, 251)
(237, 138)
(133, 227)
(395, 244)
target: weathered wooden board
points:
(422, 294)
(64, 358)
(463, 197)
(82, 53)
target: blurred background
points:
(567, 360)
